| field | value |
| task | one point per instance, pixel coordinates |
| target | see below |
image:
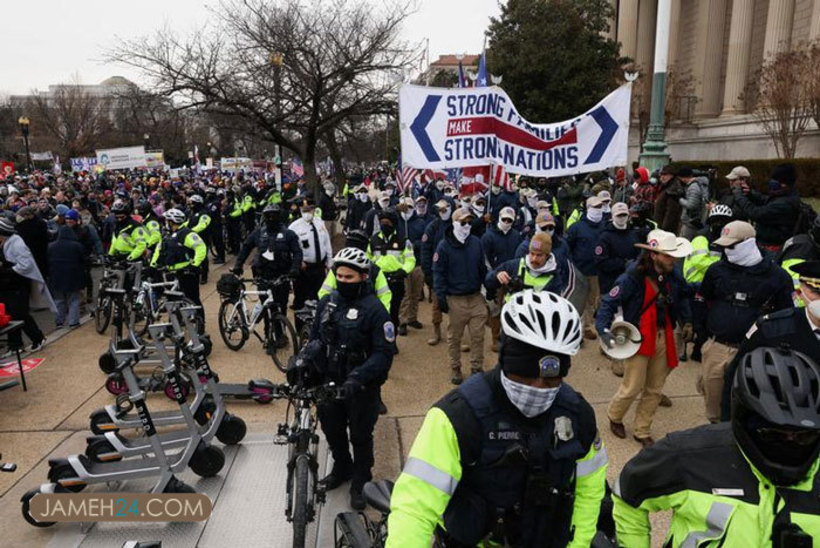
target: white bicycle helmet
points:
(175, 216)
(542, 319)
(720, 210)
(197, 199)
(354, 258)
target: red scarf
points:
(649, 327)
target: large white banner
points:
(451, 128)
(122, 158)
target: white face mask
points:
(389, 191)
(479, 209)
(465, 204)
(595, 214)
(461, 231)
(813, 307)
(532, 202)
(548, 266)
(504, 227)
(606, 208)
(449, 192)
(445, 215)
(529, 400)
(363, 197)
(496, 190)
(307, 216)
(406, 215)
(329, 192)
(620, 222)
(421, 209)
(745, 253)
(440, 185)
(384, 203)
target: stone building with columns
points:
(719, 45)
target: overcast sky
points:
(47, 42)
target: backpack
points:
(805, 219)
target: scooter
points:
(112, 446)
(74, 473)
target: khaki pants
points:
(413, 285)
(591, 305)
(494, 322)
(331, 228)
(716, 357)
(436, 309)
(466, 311)
(644, 376)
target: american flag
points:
(296, 168)
(405, 177)
(500, 177)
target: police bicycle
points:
(238, 319)
(146, 304)
(114, 273)
(303, 490)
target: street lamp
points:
(146, 139)
(24, 127)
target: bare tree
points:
(74, 118)
(288, 70)
(814, 81)
(779, 97)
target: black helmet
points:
(776, 412)
(119, 208)
(272, 213)
(144, 208)
(357, 239)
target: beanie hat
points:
(519, 358)
(62, 209)
(785, 173)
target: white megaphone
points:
(627, 340)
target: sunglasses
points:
(774, 435)
(464, 223)
(507, 220)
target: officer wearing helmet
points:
(129, 237)
(181, 251)
(200, 223)
(151, 224)
(751, 482)
(213, 207)
(798, 249)
(512, 457)
(357, 338)
(359, 240)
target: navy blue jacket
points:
(628, 293)
(504, 199)
(368, 332)
(356, 213)
(433, 234)
(281, 241)
(562, 283)
(458, 269)
(614, 250)
(499, 247)
(582, 238)
(559, 247)
(734, 297)
(66, 262)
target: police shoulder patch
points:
(389, 332)
(435, 257)
(599, 250)
(614, 291)
(424, 238)
(597, 443)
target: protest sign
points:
(122, 158)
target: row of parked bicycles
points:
(157, 343)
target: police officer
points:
(181, 251)
(433, 234)
(129, 237)
(200, 223)
(393, 254)
(458, 273)
(616, 247)
(233, 215)
(734, 292)
(800, 248)
(213, 207)
(359, 240)
(751, 482)
(151, 224)
(316, 255)
(356, 331)
(512, 457)
(248, 207)
(795, 328)
(653, 297)
(278, 253)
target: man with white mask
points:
(358, 208)
(433, 234)
(582, 239)
(371, 219)
(499, 243)
(458, 272)
(512, 457)
(735, 291)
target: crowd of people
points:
(539, 266)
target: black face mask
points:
(349, 291)
(273, 220)
(387, 228)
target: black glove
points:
(608, 339)
(442, 304)
(236, 271)
(350, 388)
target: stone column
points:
(709, 56)
(814, 29)
(628, 28)
(737, 63)
(612, 33)
(779, 23)
(674, 28)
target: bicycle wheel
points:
(301, 493)
(231, 326)
(282, 341)
(139, 320)
(102, 312)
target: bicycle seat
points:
(377, 494)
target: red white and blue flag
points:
(405, 177)
(296, 168)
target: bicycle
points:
(303, 491)
(112, 277)
(148, 301)
(306, 316)
(237, 320)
